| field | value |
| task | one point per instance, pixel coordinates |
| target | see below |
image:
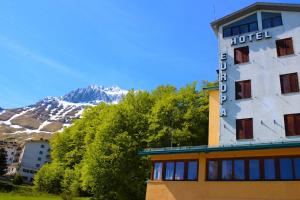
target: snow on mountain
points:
(52, 114)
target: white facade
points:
(34, 155)
(267, 106)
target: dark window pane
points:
(227, 32)
(297, 168)
(269, 169)
(169, 173)
(241, 55)
(213, 170)
(277, 21)
(192, 170)
(254, 170)
(253, 27)
(243, 89)
(235, 30)
(226, 170)
(244, 29)
(179, 174)
(239, 170)
(284, 47)
(267, 23)
(286, 169)
(289, 83)
(157, 172)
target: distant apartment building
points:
(26, 158)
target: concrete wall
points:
(214, 119)
(267, 105)
(226, 190)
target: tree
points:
(99, 153)
(3, 163)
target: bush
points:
(66, 196)
(48, 179)
(17, 180)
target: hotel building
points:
(253, 150)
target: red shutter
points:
(297, 124)
(289, 46)
(238, 90)
(285, 84)
(247, 89)
(248, 128)
(294, 85)
(245, 51)
(238, 56)
(289, 125)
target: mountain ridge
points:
(52, 114)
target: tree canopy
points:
(98, 155)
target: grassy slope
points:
(16, 196)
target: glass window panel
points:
(179, 174)
(277, 21)
(226, 169)
(192, 170)
(157, 173)
(227, 32)
(269, 169)
(235, 30)
(239, 170)
(213, 170)
(297, 168)
(244, 29)
(253, 27)
(286, 169)
(254, 170)
(169, 174)
(267, 23)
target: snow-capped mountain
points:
(52, 114)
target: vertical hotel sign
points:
(223, 66)
(223, 84)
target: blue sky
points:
(50, 47)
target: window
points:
(241, 55)
(192, 170)
(39, 158)
(284, 47)
(179, 174)
(157, 172)
(289, 83)
(175, 170)
(244, 129)
(37, 165)
(254, 170)
(42, 146)
(169, 171)
(245, 25)
(286, 169)
(243, 89)
(213, 170)
(40, 152)
(226, 169)
(269, 165)
(239, 169)
(297, 168)
(292, 124)
(271, 19)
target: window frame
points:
(272, 21)
(185, 170)
(247, 59)
(237, 131)
(286, 125)
(243, 96)
(247, 170)
(286, 50)
(282, 76)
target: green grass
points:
(16, 196)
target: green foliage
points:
(17, 180)
(3, 164)
(49, 177)
(98, 155)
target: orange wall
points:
(214, 118)
(231, 190)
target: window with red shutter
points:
(284, 47)
(289, 83)
(292, 124)
(241, 55)
(244, 128)
(243, 89)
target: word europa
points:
(223, 85)
(250, 38)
